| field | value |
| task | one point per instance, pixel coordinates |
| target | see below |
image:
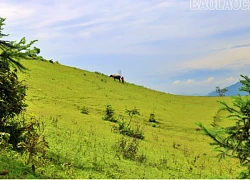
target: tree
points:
(12, 91)
(221, 92)
(233, 141)
(245, 84)
(20, 134)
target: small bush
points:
(99, 73)
(131, 113)
(126, 129)
(104, 80)
(14, 127)
(34, 145)
(141, 158)
(127, 149)
(25, 136)
(54, 121)
(51, 61)
(84, 110)
(109, 114)
(152, 118)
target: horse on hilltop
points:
(116, 76)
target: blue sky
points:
(160, 44)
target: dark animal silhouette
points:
(116, 76)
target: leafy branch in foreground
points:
(12, 51)
(12, 91)
(234, 141)
(18, 133)
(245, 84)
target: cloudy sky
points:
(160, 44)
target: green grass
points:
(82, 144)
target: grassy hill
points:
(85, 146)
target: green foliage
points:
(126, 128)
(153, 125)
(14, 127)
(12, 51)
(82, 149)
(34, 145)
(132, 113)
(54, 121)
(84, 110)
(244, 174)
(12, 95)
(99, 73)
(25, 136)
(4, 138)
(109, 114)
(22, 135)
(220, 91)
(104, 80)
(152, 118)
(233, 141)
(128, 149)
(245, 84)
(12, 92)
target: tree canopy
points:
(12, 91)
(233, 141)
(11, 51)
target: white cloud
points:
(187, 82)
(190, 81)
(84, 35)
(15, 12)
(209, 80)
(200, 86)
(137, 19)
(230, 79)
(47, 35)
(226, 59)
(226, 81)
(176, 82)
(194, 82)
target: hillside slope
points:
(58, 92)
(55, 89)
